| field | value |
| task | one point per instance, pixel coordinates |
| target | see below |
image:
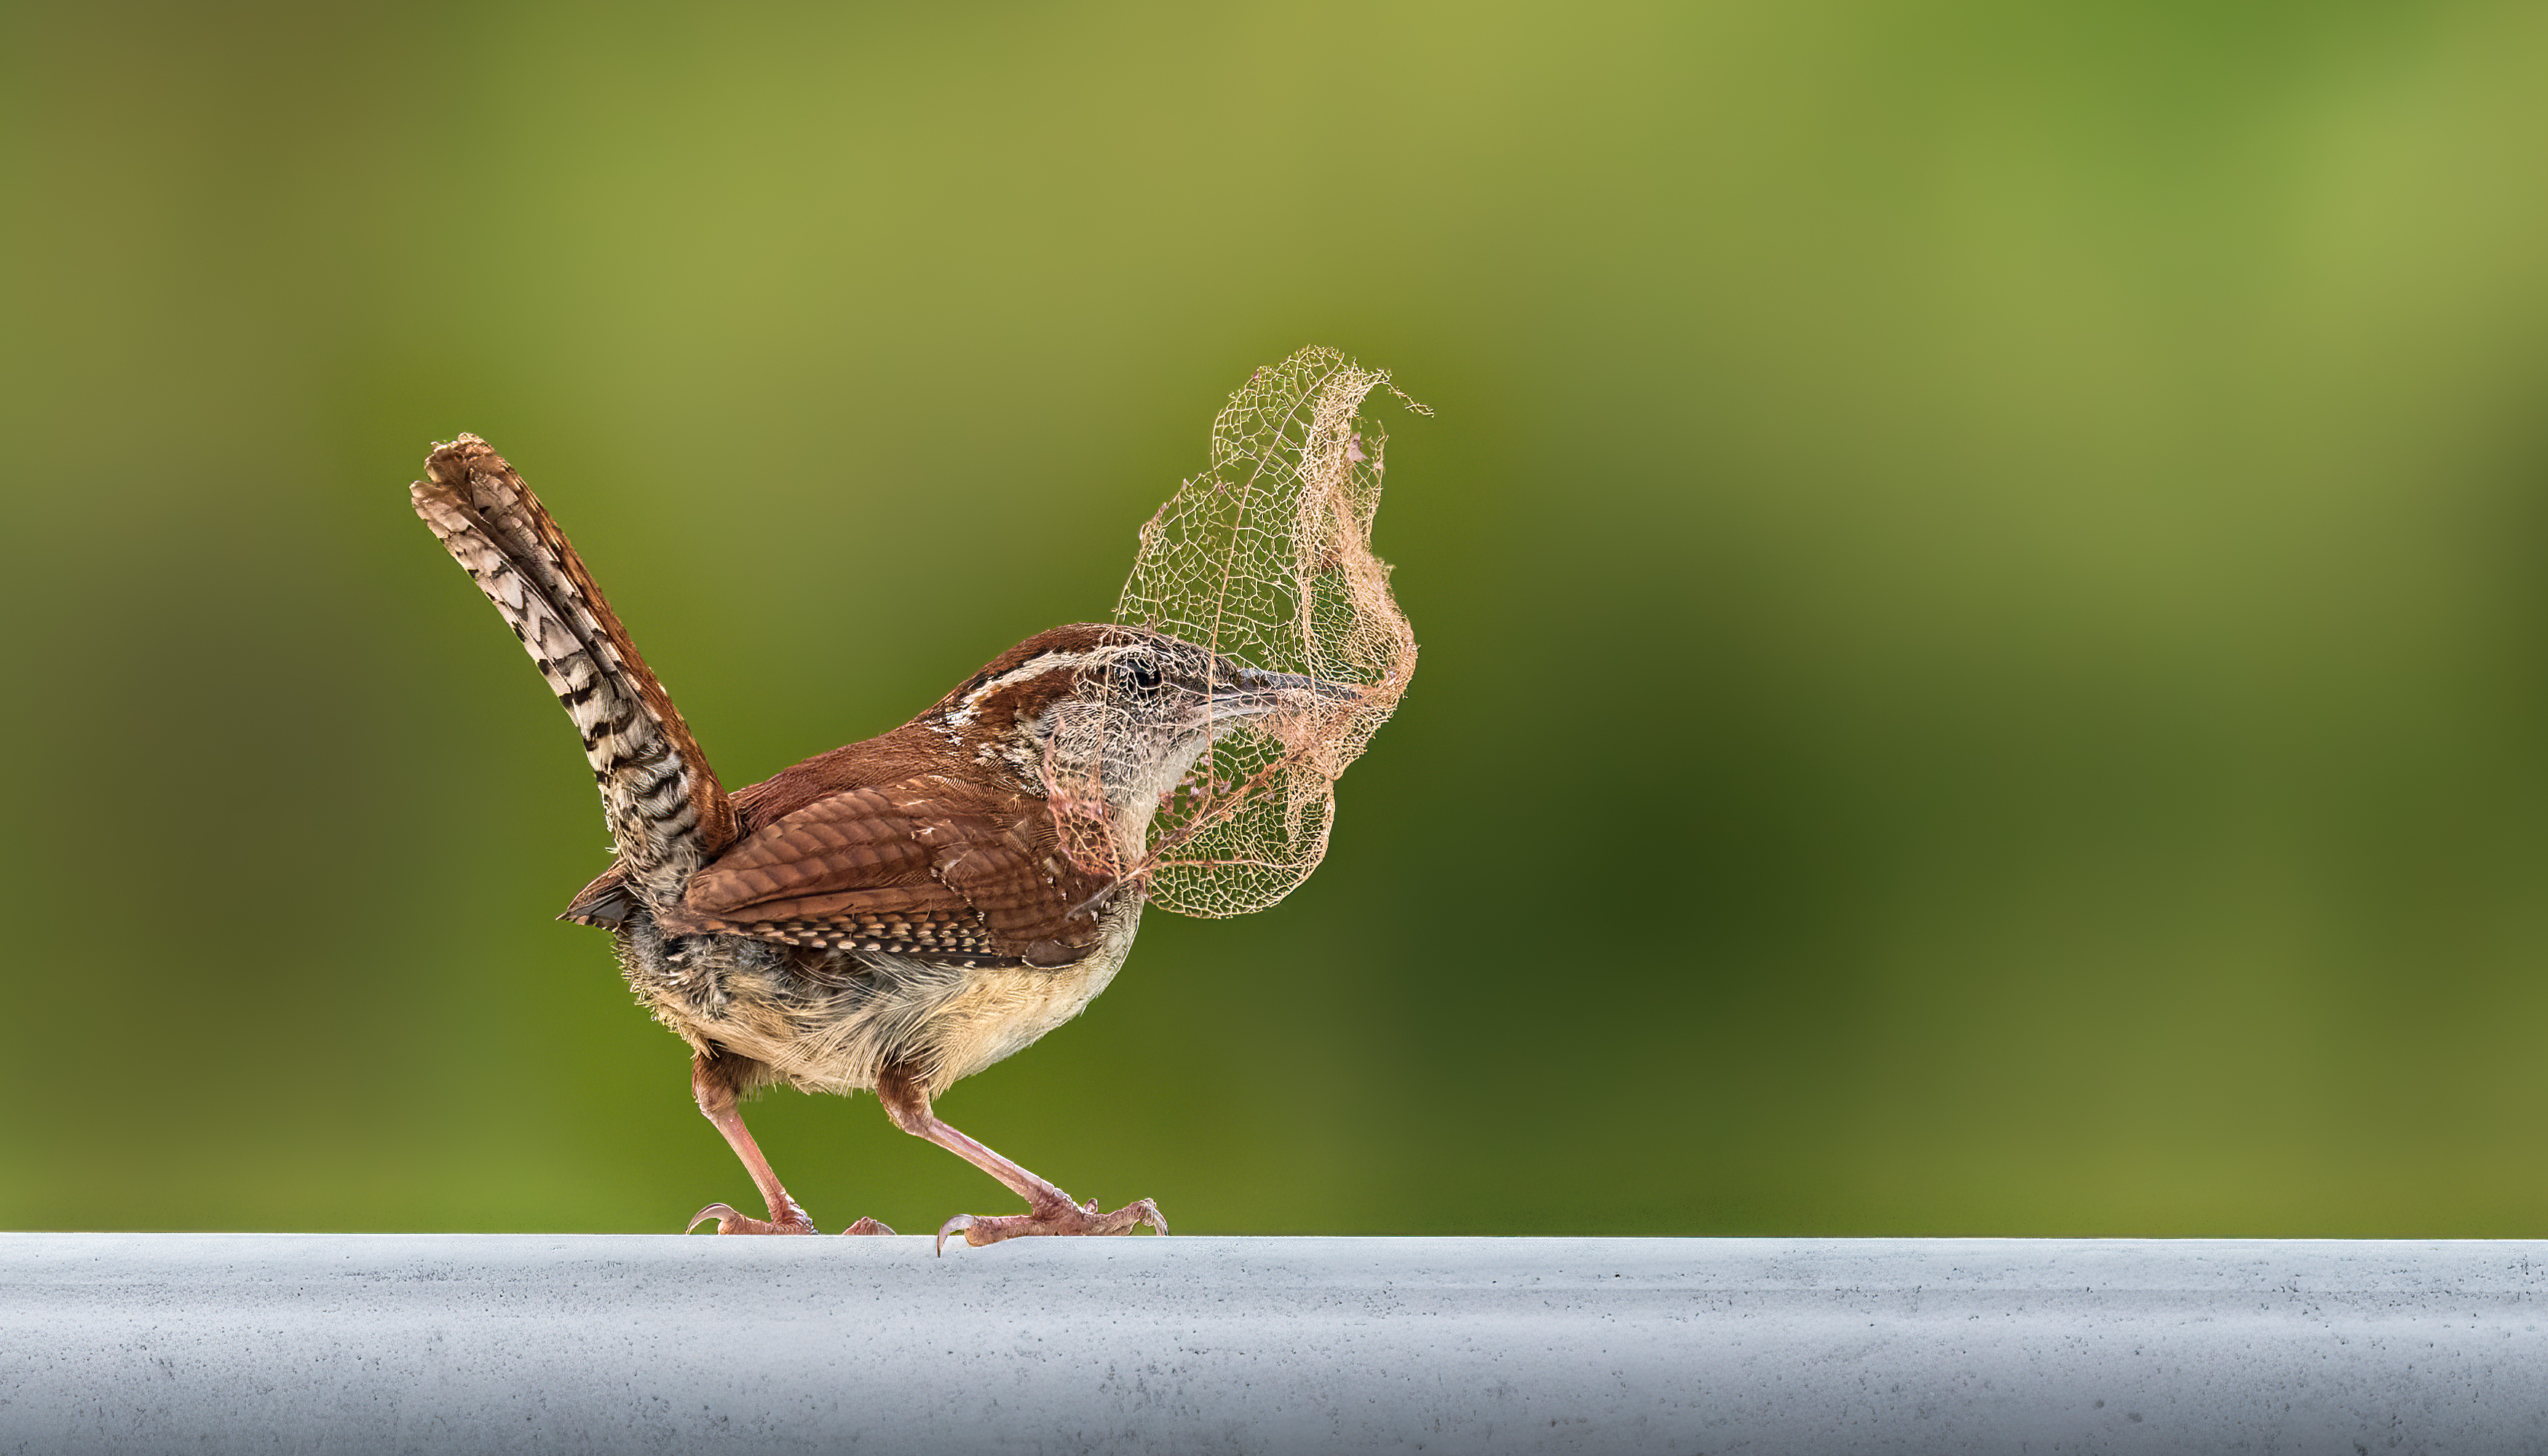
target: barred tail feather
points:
(666, 812)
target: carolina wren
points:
(893, 915)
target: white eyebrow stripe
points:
(1035, 667)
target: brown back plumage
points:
(665, 810)
(927, 841)
(933, 867)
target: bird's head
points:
(1113, 715)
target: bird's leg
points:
(712, 1082)
(1049, 1210)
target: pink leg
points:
(1050, 1210)
(712, 1083)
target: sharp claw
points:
(730, 1222)
(1063, 1217)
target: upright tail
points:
(666, 812)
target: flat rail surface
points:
(144, 1342)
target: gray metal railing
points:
(485, 1344)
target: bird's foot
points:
(1061, 1218)
(791, 1222)
(730, 1222)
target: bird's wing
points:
(926, 867)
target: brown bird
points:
(893, 915)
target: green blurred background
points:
(1983, 573)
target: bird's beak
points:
(1250, 693)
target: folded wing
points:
(929, 867)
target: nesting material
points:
(1265, 557)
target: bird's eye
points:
(1143, 673)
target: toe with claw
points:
(730, 1222)
(1063, 1220)
(793, 1220)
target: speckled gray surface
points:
(487, 1343)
